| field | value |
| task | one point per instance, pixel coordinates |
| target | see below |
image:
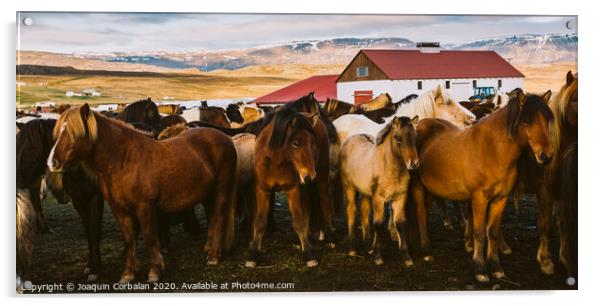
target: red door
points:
(362, 96)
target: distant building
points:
(21, 83)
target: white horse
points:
(436, 103)
(500, 100)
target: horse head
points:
(75, 133)
(445, 107)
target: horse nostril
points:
(544, 158)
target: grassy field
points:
(61, 257)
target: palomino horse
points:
(436, 103)
(378, 170)
(169, 109)
(381, 101)
(547, 182)
(285, 160)
(198, 165)
(34, 143)
(248, 113)
(488, 182)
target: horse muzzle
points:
(543, 159)
(413, 164)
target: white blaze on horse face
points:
(51, 156)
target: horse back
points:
(429, 129)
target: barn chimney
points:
(428, 47)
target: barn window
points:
(499, 83)
(362, 71)
(419, 85)
(446, 84)
(474, 83)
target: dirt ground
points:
(61, 257)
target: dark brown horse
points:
(285, 160)
(336, 108)
(197, 166)
(142, 111)
(489, 182)
(548, 184)
(214, 115)
(34, 143)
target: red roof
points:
(446, 64)
(324, 86)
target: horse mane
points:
(172, 131)
(282, 119)
(143, 110)
(558, 105)
(382, 134)
(423, 106)
(407, 99)
(309, 104)
(517, 114)
(76, 127)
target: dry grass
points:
(540, 78)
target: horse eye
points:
(295, 144)
(398, 139)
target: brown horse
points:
(136, 191)
(336, 108)
(214, 115)
(243, 115)
(381, 101)
(141, 111)
(285, 160)
(378, 170)
(446, 151)
(546, 182)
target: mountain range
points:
(518, 49)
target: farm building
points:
(403, 72)
(323, 86)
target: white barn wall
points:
(399, 89)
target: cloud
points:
(106, 32)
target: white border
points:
(590, 212)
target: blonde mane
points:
(423, 106)
(558, 105)
(75, 126)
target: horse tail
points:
(231, 220)
(227, 131)
(25, 229)
(518, 191)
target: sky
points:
(131, 32)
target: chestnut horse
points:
(169, 109)
(286, 159)
(381, 101)
(525, 121)
(378, 170)
(135, 191)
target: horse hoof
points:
(379, 261)
(250, 264)
(321, 236)
(371, 252)
(505, 249)
(352, 253)
(212, 262)
(468, 248)
(482, 278)
(428, 258)
(92, 278)
(330, 245)
(499, 274)
(152, 277)
(408, 263)
(448, 225)
(547, 267)
(126, 279)
(312, 263)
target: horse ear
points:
(546, 96)
(569, 77)
(439, 95)
(293, 122)
(314, 119)
(84, 111)
(499, 101)
(522, 98)
(311, 95)
(415, 120)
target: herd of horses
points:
(152, 165)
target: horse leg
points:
(468, 230)
(479, 216)
(271, 219)
(34, 195)
(350, 197)
(399, 217)
(300, 217)
(326, 207)
(419, 193)
(496, 210)
(365, 208)
(502, 244)
(544, 222)
(128, 230)
(217, 227)
(191, 223)
(163, 228)
(378, 202)
(147, 215)
(90, 213)
(442, 207)
(260, 223)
